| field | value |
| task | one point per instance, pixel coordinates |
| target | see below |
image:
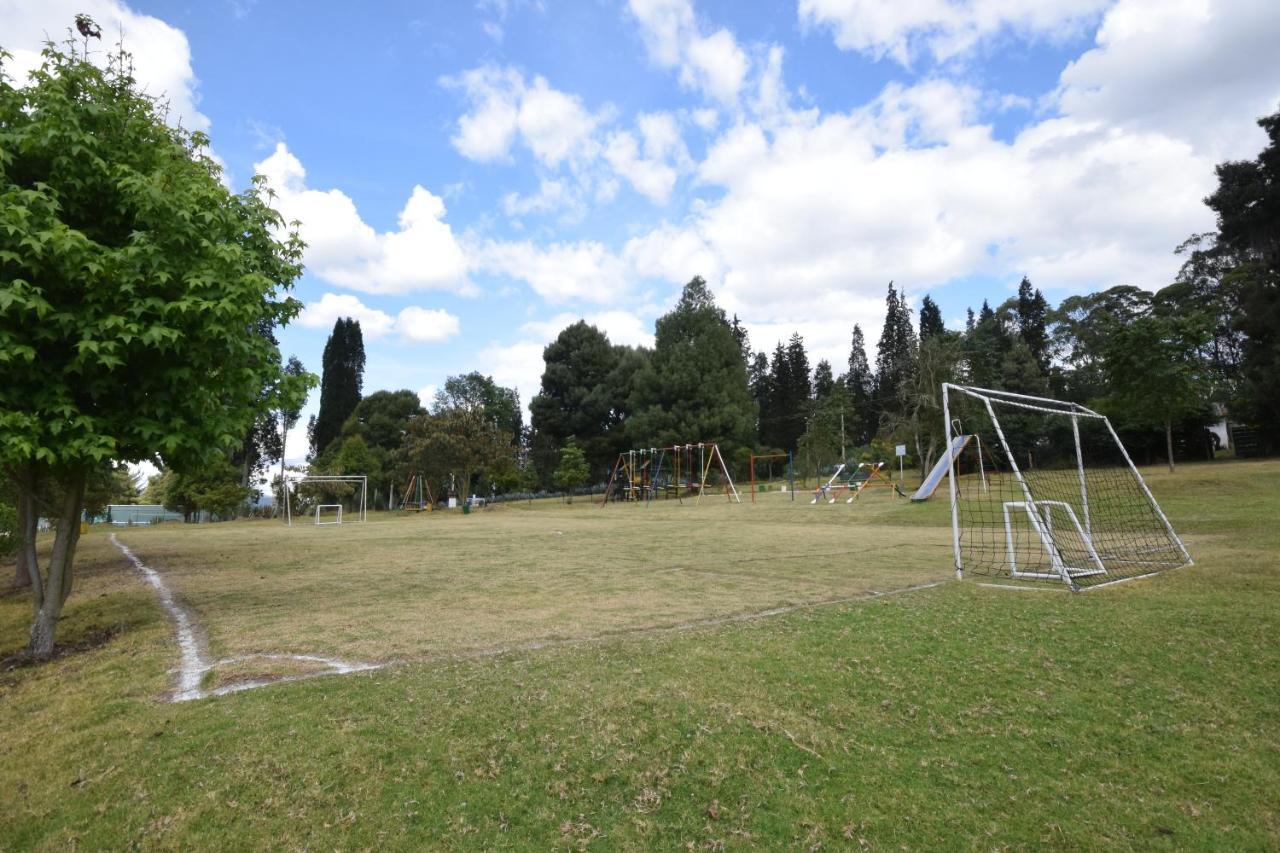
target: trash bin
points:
(466, 507)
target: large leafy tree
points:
(341, 381)
(586, 385)
(694, 388)
(371, 440)
(133, 287)
(1237, 270)
(462, 438)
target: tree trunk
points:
(51, 594)
(1168, 442)
(28, 524)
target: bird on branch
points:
(87, 27)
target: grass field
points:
(571, 676)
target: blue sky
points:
(472, 176)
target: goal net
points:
(1044, 490)
(326, 499)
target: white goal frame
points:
(360, 481)
(1040, 512)
(320, 507)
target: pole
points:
(791, 476)
(842, 453)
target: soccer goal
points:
(328, 499)
(1047, 492)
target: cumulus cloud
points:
(161, 53)
(1190, 69)
(413, 324)
(942, 29)
(653, 164)
(622, 327)
(344, 250)
(504, 108)
(558, 272)
(713, 64)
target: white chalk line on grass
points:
(193, 665)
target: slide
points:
(930, 484)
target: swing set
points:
(417, 495)
(649, 473)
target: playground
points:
(646, 675)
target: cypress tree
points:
(758, 383)
(340, 384)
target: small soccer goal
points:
(326, 499)
(1047, 492)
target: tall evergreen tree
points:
(758, 384)
(341, 382)
(895, 354)
(778, 412)
(744, 340)
(861, 386)
(694, 387)
(824, 382)
(1033, 319)
(985, 348)
(931, 324)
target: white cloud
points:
(517, 365)
(341, 248)
(334, 306)
(552, 124)
(1198, 70)
(413, 324)
(161, 53)
(943, 28)
(714, 64)
(558, 272)
(426, 325)
(427, 395)
(622, 327)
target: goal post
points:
(331, 498)
(1046, 491)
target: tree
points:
(341, 382)
(758, 385)
(585, 393)
(467, 435)
(1033, 313)
(380, 422)
(931, 324)
(694, 387)
(895, 355)
(134, 283)
(1238, 269)
(213, 487)
(573, 470)
(861, 386)
(985, 347)
(1155, 375)
(918, 416)
(823, 380)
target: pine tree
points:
(340, 384)
(931, 323)
(758, 384)
(860, 385)
(798, 359)
(824, 381)
(694, 388)
(774, 428)
(895, 354)
(1033, 318)
(744, 340)
(985, 348)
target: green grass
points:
(958, 716)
